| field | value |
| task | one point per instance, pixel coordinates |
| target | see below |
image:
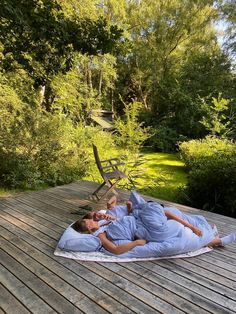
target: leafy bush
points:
(37, 147)
(212, 174)
(105, 145)
(132, 134)
(165, 139)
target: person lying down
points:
(121, 229)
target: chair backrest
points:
(97, 159)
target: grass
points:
(4, 192)
(161, 176)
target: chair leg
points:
(111, 188)
(112, 185)
(98, 189)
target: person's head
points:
(85, 225)
(89, 215)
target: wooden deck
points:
(33, 280)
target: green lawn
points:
(161, 176)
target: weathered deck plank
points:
(35, 281)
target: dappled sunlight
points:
(161, 176)
(166, 166)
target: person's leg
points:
(228, 239)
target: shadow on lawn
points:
(166, 168)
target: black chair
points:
(110, 173)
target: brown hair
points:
(88, 216)
(80, 226)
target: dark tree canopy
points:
(36, 35)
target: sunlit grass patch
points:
(162, 175)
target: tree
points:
(37, 36)
(228, 8)
(208, 73)
(163, 35)
(175, 58)
(85, 87)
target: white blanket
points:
(101, 257)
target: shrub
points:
(105, 145)
(58, 149)
(165, 139)
(37, 147)
(132, 134)
(212, 174)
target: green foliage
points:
(206, 73)
(23, 85)
(85, 87)
(36, 147)
(193, 151)
(174, 59)
(42, 39)
(212, 174)
(57, 55)
(215, 119)
(229, 10)
(131, 133)
(165, 139)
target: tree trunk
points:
(41, 93)
(48, 98)
(100, 83)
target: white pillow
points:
(72, 240)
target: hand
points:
(101, 216)
(129, 207)
(108, 217)
(197, 231)
(140, 242)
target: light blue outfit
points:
(165, 237)
(118, 211)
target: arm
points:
(112, 202)
(196, 230)
(118, 249)
(129, 205)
